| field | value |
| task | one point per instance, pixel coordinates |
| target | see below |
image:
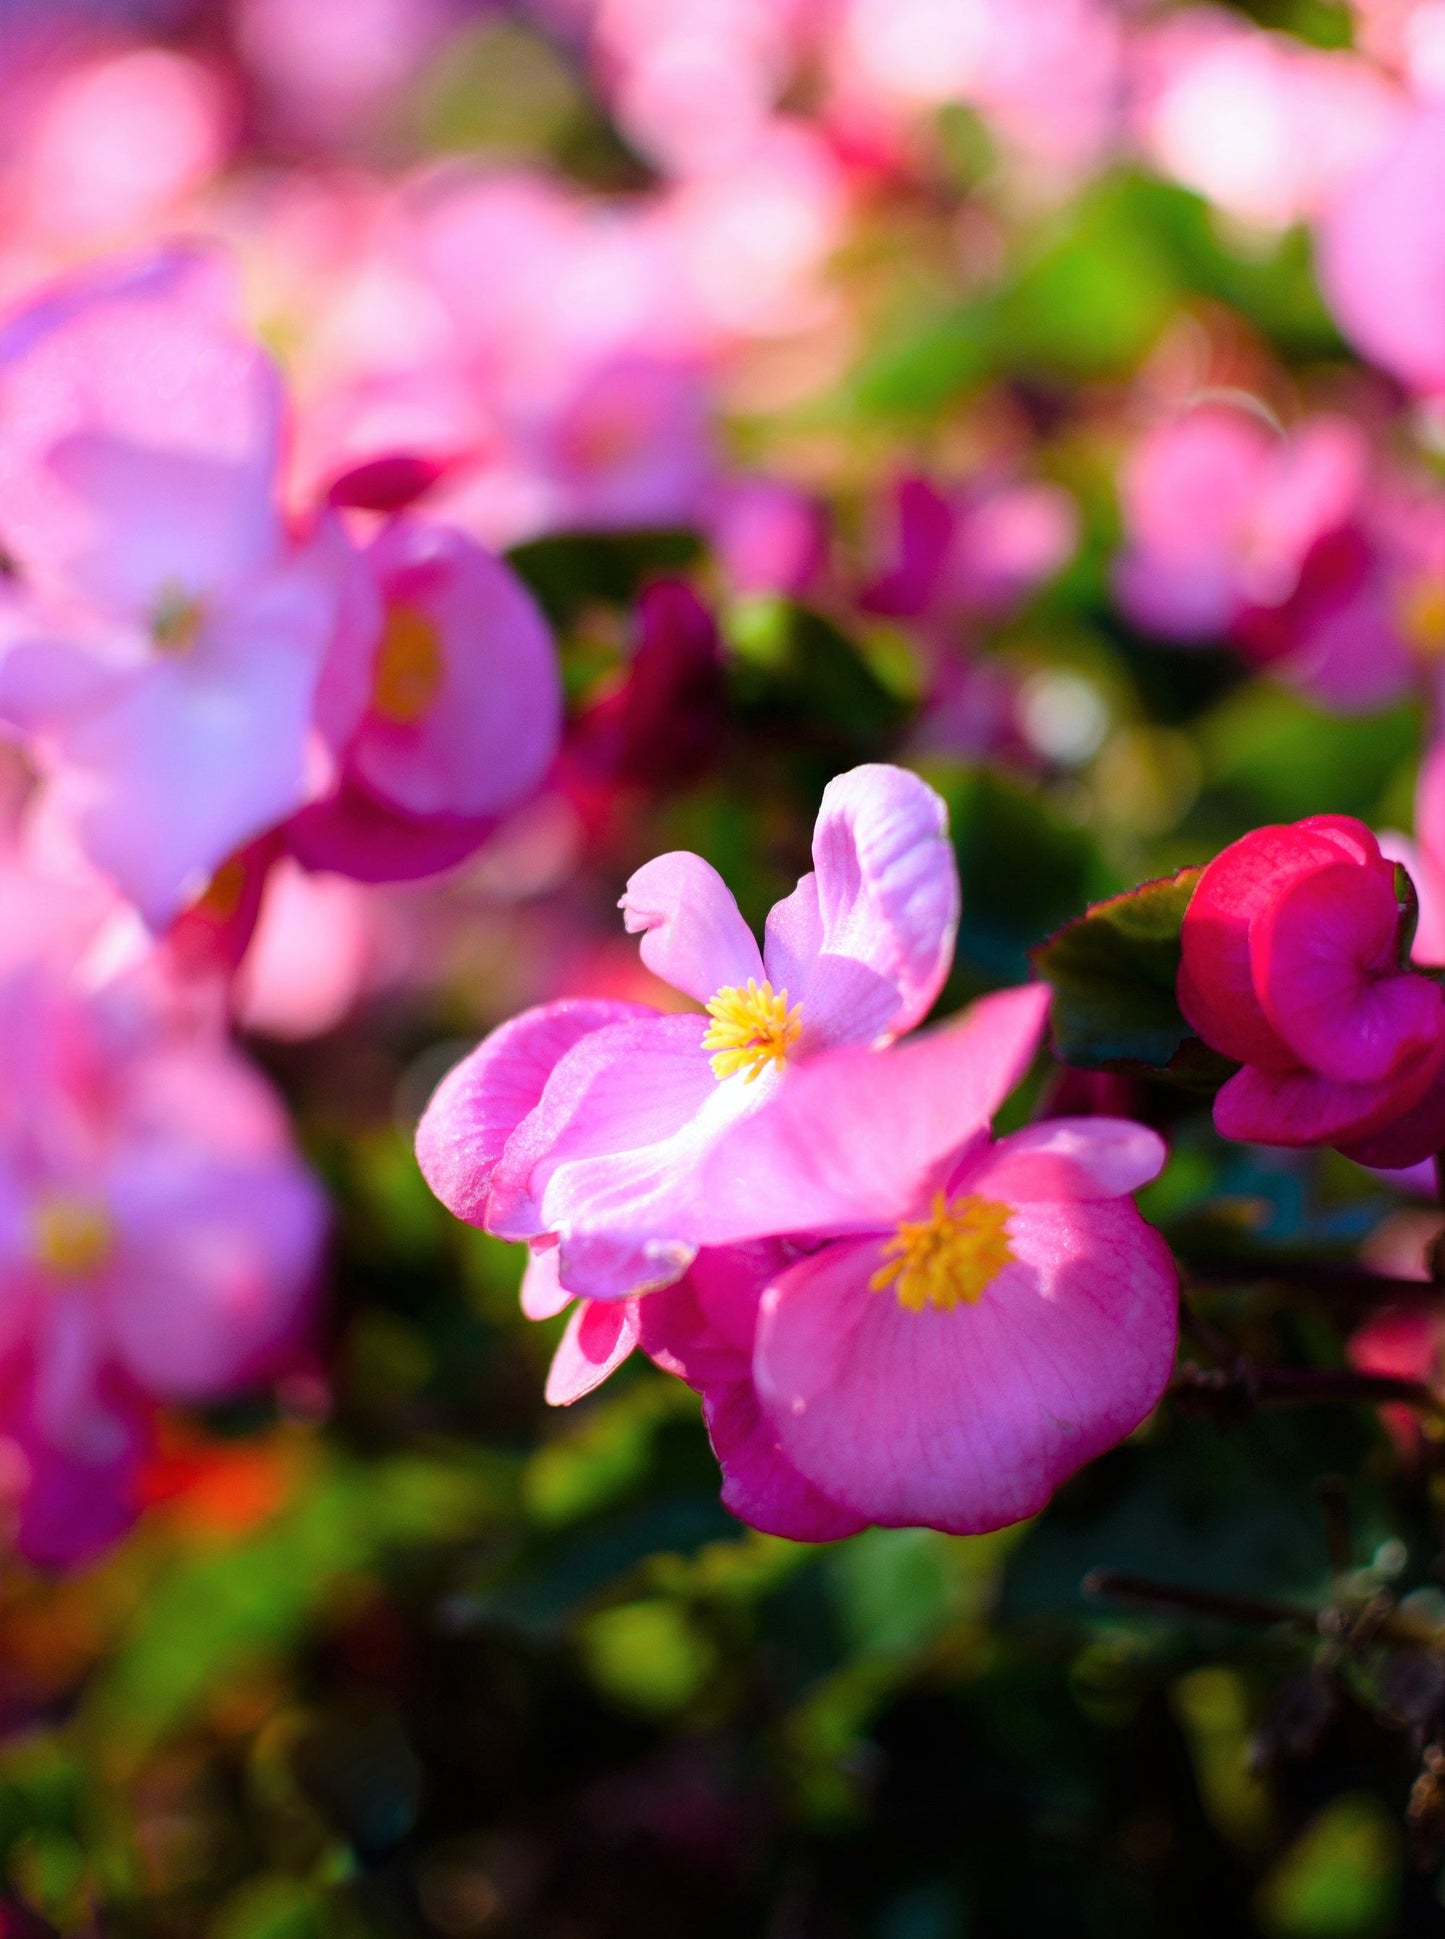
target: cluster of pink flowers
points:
(891, 1316)
(216, 696)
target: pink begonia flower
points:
(159, 1238)
(1381, 254)
(160, 637)
(971, 554)
(589, 1123)
(1292, 966)
(1300, 548)
(441, 702)
(769, 536)
(1266, 129)
(959, 1324)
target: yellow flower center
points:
(751, 1028)
(176, 619)
(954, 1254)
(409, 667)
(1421, 616)
(73, 1237)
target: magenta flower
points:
(957, 1324)
(160, 636)
(441, 703)
(589, 1122)
(1292, 964)
(159, 1238)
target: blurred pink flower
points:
(1381, 253)
(159, 1238)
(160, 637)
(589, 1122)
(1267, 129)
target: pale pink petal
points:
(598, 1338)
(887, 883)
(693, 935)
(1067, 1158)
(968, 1419)
(542, 1297)
(760, 1485)
(855, 1135)
(628, 1087)
(481, 1101)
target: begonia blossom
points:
(1294, 965)
(954, 1325)
(587, 1122)
(161, 637)
(441, 702)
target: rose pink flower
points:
(971, 554)
(956, 1325)
(441, 702)
(160, 636)
(588, 1122)
(159, 1238)
(1291, 965)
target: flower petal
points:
(598, 1338)
(968, 1419)
(1068, 1158)
(481, 1101)
(701, 1328)
(854, 1136)
(760, 1485)
(693, 935)
(887, 883)
(541, 1295)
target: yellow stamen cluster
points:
(409, 667)
(176, 619)
(953, 1255)
(751, 1028)
(73, 1237)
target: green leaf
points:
(1113, 972)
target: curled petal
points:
(1317, 953)
(479, 1104)
(542, 1296)
(693, 935)
(887, 884)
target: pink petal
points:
(542, 1297)
(968, 1419)
(888, 883)
(855, 1135)
(599, 1337)
(1068, 1158)
(351, 833)
(1405, 1139)
(481, 1101)
(1297, 1108)
(693, 935)
(760, 1485)
(1216, 977)
(491, 733)
(701, 1328)
(1318, 953)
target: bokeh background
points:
(1041, 393)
